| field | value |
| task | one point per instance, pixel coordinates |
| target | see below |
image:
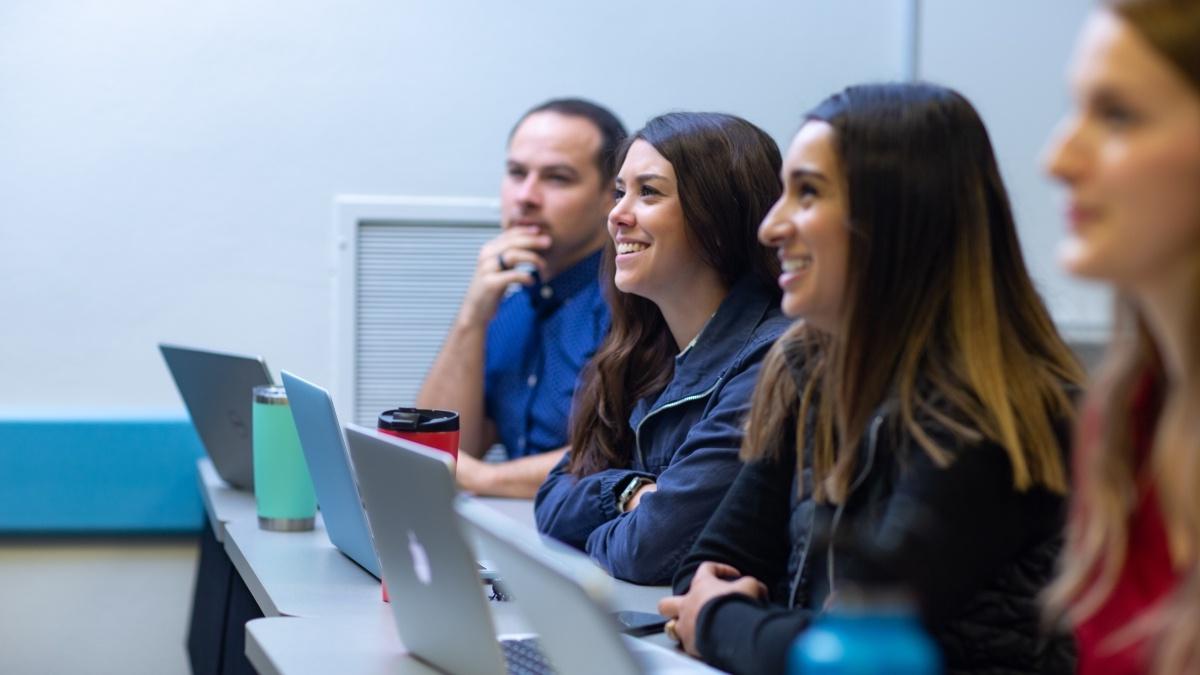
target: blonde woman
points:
(1129, 155)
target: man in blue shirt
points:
(510, 362)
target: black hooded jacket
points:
(974, 552)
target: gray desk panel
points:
(299, 573)
(345, 627)
(364, 646)
(520, 510)
(303, 574)
(222, 503)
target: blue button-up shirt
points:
(537, 343)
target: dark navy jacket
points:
(687, 439)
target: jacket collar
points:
(718, 346)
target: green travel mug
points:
(282, 486)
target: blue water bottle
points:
(866, 632)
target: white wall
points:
(167, 168)
(1010, 58)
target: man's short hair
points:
(612, 132)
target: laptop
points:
(332, 475)
(216, 389)
(438, 601)
(568, 600)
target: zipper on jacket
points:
(837, 514)
(794, 587)
(637, 433)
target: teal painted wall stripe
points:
(99, 475)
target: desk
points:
(302, 574)
(222, 503)
(221, 603)
(360, 643)
(298, 573)
(323, 612)
(351, 645)
(318, 646)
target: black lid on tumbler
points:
(418, 420)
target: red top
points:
(1147, 575)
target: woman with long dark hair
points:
(657, 420)
(922, 402)
(1129, 155)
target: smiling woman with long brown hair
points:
(922, 402)
(1129, 155)
(657, 420)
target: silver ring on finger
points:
(504, 267)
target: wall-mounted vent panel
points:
(411, 280)
(405, 265)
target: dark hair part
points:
(727, 172)
(612, 132)
(940, 320)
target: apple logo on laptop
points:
(238, 424)
(420, 559)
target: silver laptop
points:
(568, 601)
(329, 465)
(438, 601)
(216, 389)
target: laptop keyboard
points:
(524, 657)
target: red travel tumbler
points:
(437, 429)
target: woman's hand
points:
(711, 580)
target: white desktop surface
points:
(363, 643)
(302, 574)
(324, 612)
(363, 646)
(520, 510)
(222, 502)
(299, 573)
(349, 646)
